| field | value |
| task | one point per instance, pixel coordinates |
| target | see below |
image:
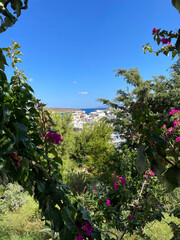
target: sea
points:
(89, 110)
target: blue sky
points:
(72, 47)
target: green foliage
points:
(76, 181)
(176, 4)
(7, 18)
(65, 126)
(93, 145)
(28, 153)
(160, 94)
(12, 198)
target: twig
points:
(134, 210)
(111, 233)
(6, 3)
(42, 169)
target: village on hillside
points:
(80, 118)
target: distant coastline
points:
(71, 110)
(64, 110)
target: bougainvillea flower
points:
(173, 111)
(177, 139)
(154, 31)
(79, 237)
(176, 122)
(129, 217)
(164, 40)
(108, 202)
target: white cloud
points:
(31, 79)
(74, 82)
(83, 93)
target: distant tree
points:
(92, 143)
(160, 94)
(65, 126)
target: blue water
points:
(89, 110)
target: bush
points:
(12, 198)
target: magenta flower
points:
(123, 180)
(95, 189)
(164, 126)
(133, 136)
(164, 40)
(169, 130)
(88, 228)
(154, 31)
(79, 237)
(170, 44)
(129, 217)
(55, 137)
(150, 173)
(115, 187)
(177, 139)
(173, 111)
(176, 122)
(108, 202)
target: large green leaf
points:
(173, 176)
(141, 161)
(67, 218)
(176, 4)
(21, 131)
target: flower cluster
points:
(55, 137)
(176, 122)
(108, 202)
(150, 173)
(122, 181)
(154, 31)
(88, 228)
(169, 130)
(164, 40)
(173, 111)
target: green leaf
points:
(21, 131)
(67, 218)
(41, 186)
(141, 161)
(174, 53)
(157, 166)
(176, 4)
(66, 234)
(173, 176)
(58, 160)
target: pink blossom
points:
(173, 111)
(177, 139)
(164, 40)
(150, 173)
(108, 202)
(164, 125)
(169, 130)
(129, 217)
(55, 137)
(95, 189)
(133, 136)
(88, 228)
(123, 180)
(176, 122)
(115, 187)
(79, 237)
(170, 44)
(154, 31)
